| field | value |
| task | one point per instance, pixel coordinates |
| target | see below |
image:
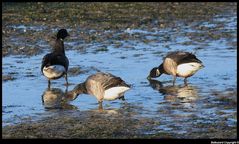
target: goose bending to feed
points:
(55, 64)
(177, 64)
(104, 86)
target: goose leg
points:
(66, 79)
(49, 84)
(122, 98)
(66, 90)
(174, 79)
(185, 82)
(100, 106)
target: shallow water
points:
(178, 109)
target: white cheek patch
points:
(157, 72)
(115, 92)
(188, 69)
(54, 71)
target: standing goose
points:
(177, 64)
(104, 86)
(55, 64)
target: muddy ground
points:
(88, 23)
(108, 124)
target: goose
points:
(104, 86)
(55, 64)
(177, 64)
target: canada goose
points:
(104, 86)
(178, 64)
(55, 64)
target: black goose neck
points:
(80, 88)
(161, 69)
(59, 46)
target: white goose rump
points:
(115, 92)
(54, 71)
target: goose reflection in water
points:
(55, 98)
(174, 93)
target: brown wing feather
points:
(108, 80)
(114, 82)
(182, 57)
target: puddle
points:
(25, 28)
(177, 109)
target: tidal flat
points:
(127, 40)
